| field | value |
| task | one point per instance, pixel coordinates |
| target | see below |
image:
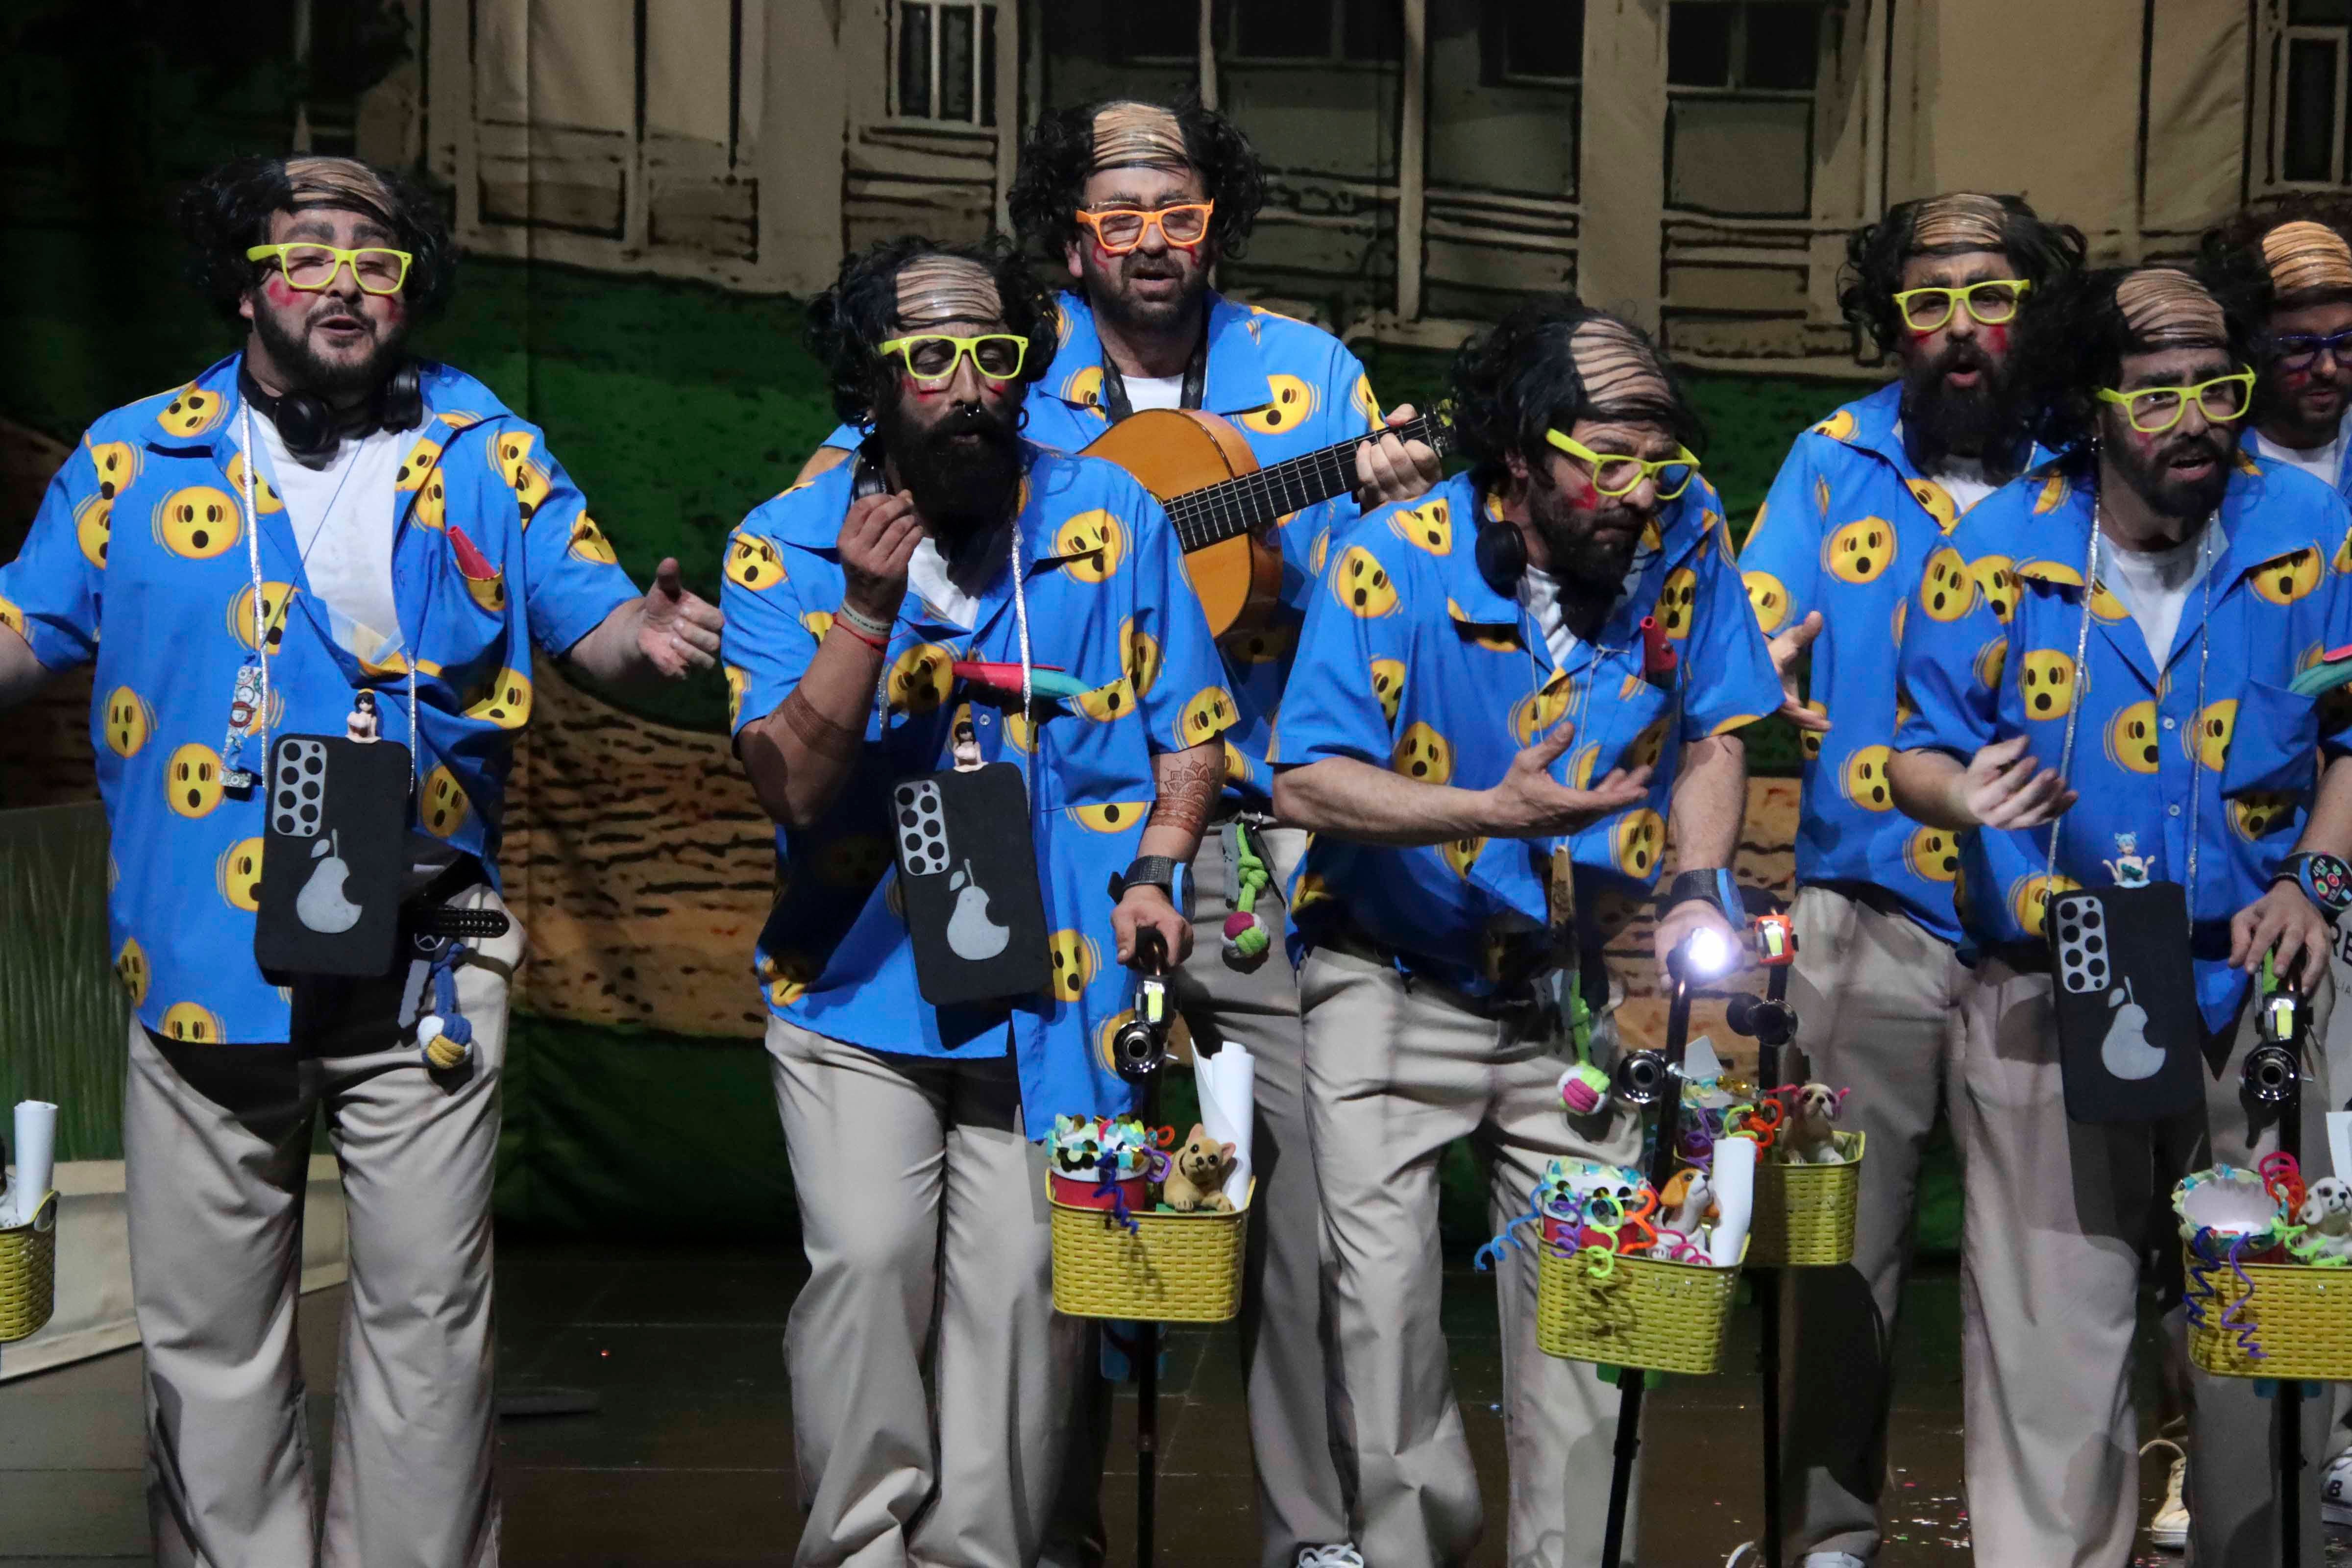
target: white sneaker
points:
(1339, 1554)
(2169, 1529)
(2336, 1491)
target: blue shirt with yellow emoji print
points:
(1848, 522)
(139, 560)
(1412, 661)
(1103, 581)
(1292, 388)
(2208, 741)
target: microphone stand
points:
(1773, 1023)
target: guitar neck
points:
(1214, 513)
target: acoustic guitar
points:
(1225, 506)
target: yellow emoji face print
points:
(94, 529)
(1933, 854)
(192, 1023)
(1319, 551)
(1388, 685)
(2131, 738)
(506, 704)
(817, 622)
(1361, 583)
(1237, 767)
(531, 491)
(1864, 779)
(191, 412)
(1138, 655)
(197, 523)
(131, 969)
(2045, 683)
(1948, 590)
(2287, 578)
(919, 679)
(755, 563)
(1677, 601)
(1084, 387)
(1838, 427)
(1991, 661)
(1115, 817)
(1209, 714)
(1537, 712)
(589, 543)
(1645, 748)
(419, 462)
(1261, 646)
(2104, 606)
(2343, 562)
(1076, 960)
(737, 680)
(265, 499)
(1428, 526)
(787, 977)
(276, 599)
(116, 464)
(2260, 812)
(1092, 545)
(1768, 597)
(1809, 741)
(129, 721)
(1360, 396)
(431, 507)
(2051, 496)
(1420, 753)
(191, 780)
(238, 875)
(1293, 404)
(2029, 899)
(1019, 733)
(1934, 501)
(1105, 703)
(1998, 583)
(510, 455)
(12, 618)
(443, 808)
(1461, 854)
(1860, 550)
(2207, 738)
(1638, 842)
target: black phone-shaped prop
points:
(968, 873)
(334, 845)
(2130, 1038)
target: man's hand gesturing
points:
(1530, 803)
(877, 539)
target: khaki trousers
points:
(1395, 1072)
(2062, 1218)
(931, 1378)
(216, 1142)
(1878, 1002)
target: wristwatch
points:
(1153, 870)
(1714, 885)
(2324, 880)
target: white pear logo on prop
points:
(972, 935)
(2125, 1052)
(321, 905)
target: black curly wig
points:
(2229, 255)
(2072, 340)
(227, 211)
(1517, 380)
(849, 322)
(1059, 155)
(2043, 253)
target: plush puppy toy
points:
(1811, 1139)
(1197, 1177)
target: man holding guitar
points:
(1139, 202)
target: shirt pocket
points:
(2273, 738)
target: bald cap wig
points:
(2282, 253)
(2074, 340)
(228, 212)
(911, 285)
(1949, 225)
(1067, 145)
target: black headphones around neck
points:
(312, 428)
(1502, 555)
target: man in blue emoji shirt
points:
(1138, 203)
(2101, 666)
(320, 535)
(1474, 696)
(1863, 500)
(850, 601)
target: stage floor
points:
(690, 1458)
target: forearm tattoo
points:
(818, 733)
(1189, 782)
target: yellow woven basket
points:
(1648, 1313)
(28, 1273)
(1172, 1268)
(2301, 1317)
(1804, 1214)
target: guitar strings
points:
(1225, 510)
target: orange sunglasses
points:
(1120, 229)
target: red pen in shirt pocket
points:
(1658, 656)
(485, 582)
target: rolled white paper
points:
(1735, 1199)
(1228, 1086)
(2339, 1142)
(37, 1142)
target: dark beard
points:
(2151, 478)
(1941, 421)
(962, 489)
(306, 372)
(1590, 565)
(1151, 315)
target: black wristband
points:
(1146, 870)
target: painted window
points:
(1740, 76)
(1368, 32)
(2308, 93)
(946, 55)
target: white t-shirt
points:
(1154, 391)
(1965, 482)
(927, 574)
(342, 516)
(2322, 463)
(1540, 592)
(2154, 585)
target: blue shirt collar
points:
(1237, 378)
